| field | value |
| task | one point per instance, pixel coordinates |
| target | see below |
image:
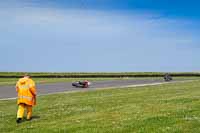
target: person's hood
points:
(23, 80)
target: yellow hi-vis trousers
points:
(21, 108)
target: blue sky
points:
(99, 35)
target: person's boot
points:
(29, 119)
(19, 120)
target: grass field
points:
(12, 81)
(95, 74)
(168, 108)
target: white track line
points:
(139, 85)
(12, 98)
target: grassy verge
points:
(169, 108)
(96, 74)
(12, 81)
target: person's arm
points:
(33, 92)
(16, 87)
(32, 88)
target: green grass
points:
(168, 108)
(95, 74)
(12, 81)
(40, 74)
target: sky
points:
(99, 36)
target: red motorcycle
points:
(81, 84)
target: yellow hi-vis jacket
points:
(26, 91)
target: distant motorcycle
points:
(167, 77)
(81, 84)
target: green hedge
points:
(93, 75)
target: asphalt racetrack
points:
(7, 92)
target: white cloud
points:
(93, 25)
(100, 24)
(137, 39)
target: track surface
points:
(9, 91)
